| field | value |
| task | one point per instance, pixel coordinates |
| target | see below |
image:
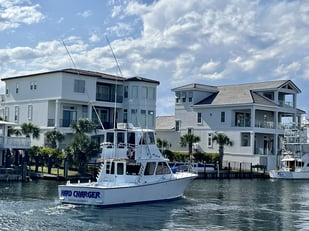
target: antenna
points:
(95, 110)
(116, 86)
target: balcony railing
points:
(286, 104)
(15, 142)
(245, 123)
(264, 124)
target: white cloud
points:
(85, 14)
(14, 15)
(94, 38)
(177, 42)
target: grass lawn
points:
(54, 171)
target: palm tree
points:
(189, 139)
(28, 128)
(221, 139)
(81, 147)
(83, 126)
(53, 137)
(162, 144)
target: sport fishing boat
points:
(295, 159)
(293, 167)
(132, 171)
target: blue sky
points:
(175, 42)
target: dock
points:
(226, 174)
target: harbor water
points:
(235, 204)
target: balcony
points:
(264, 124)
(243, 123)
(286, 104)
(15, 142)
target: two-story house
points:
(251, 115)
(55, 99)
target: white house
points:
(57, 98)
(251, 115)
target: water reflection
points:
(253, 204)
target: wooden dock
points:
(225, 174)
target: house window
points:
(6, 90)
(151, 119)
(177, 95)
(143, 118)
(190, 130)
(6, 114)
(17, 88)
(79, 86)
(177, 125)
(144, 93)
(33, 85)
(210, 143)
(126, 92)
(199, 117)
(151, 93)
(245, 139)
(125, 116)
(30, 109)
(16, 118)
(190, 96)
(134, 92)
(222, 117)
(183, 96)
(134, 117)
(103, 92)
(84, 111)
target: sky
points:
(175, 42)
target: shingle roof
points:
(138, 78)
(165, 122)
(89, 73)
(245, 93)
(196, 86)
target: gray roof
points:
(196, 86)
(165, 122)
(245, 93)
(88, 73)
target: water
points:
(253, 204)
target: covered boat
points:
(132, 171)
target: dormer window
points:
(269, 95)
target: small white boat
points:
(132, 171)
(293, 167)
(202, 167)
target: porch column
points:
(90, 111)
(252, 117)
(57, 111)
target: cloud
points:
(94, 38)
(210, 42)
(13, 14)
(85, 14)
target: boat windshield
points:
(147, 138)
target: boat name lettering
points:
(80, 194)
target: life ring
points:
(130, 153)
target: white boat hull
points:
(277, 174)
(91, 194)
